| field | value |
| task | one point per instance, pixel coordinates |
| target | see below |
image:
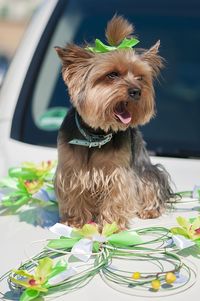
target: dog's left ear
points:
(152, 57)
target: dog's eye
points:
(139, 77)
(113, 75)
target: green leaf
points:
(62, 243)
(29, 294)
(109, 229)
(60, 266)
(197, 242)
(23, 173)
(95, 247)
(179, 231)
(183, 222)
(21, 186)
(44, 268)
(11, 203)
(125, 238)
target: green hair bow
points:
(100, 47)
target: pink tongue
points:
(124, 116)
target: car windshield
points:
(176, 129)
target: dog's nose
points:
(134, 93)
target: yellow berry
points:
(170, 277)
(155, 284)
(136, 275)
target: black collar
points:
(91, 139)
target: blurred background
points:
(14, 18)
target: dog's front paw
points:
(145, 214)
(122, 224)
(72, 223)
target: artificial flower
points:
(83, 241)
(136, 275)
(33, 186)
(170, 278)
(32, 171)
(38, 282)
(41, 169)
(189, 228)
(29, 183)
(155, 284)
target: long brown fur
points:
(117, 29)
(117, 181)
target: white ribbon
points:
(195, 192)
(81, 249)
(61, 230)
(181, 242)
(99, 238)
(62, 276)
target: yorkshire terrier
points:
(104, 172)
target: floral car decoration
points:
(70, 259)
(57, 269)
(30, 187)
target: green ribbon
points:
(100, 47)
(121, 239)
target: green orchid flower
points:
(100, 47)
(33, 186)
(32, 171)
(37, 283)
(87, 231)
(23, 193)
(189, 228)
(24, 182)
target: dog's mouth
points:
(121, 112)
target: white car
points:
(33, 98)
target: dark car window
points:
(176, 129)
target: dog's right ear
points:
(75, 61)
(72, 54)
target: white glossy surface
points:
(16, 246)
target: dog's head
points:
(112, 90)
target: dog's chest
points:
(115, 154)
